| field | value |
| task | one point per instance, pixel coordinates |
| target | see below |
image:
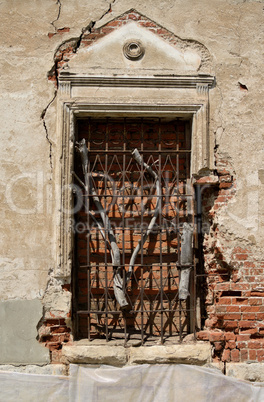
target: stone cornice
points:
(141, 82)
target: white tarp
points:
(128, 384)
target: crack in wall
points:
(91, 24)
(43, 114)
(58, 15)
(220, 117)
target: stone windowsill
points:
(115, 354)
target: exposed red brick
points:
(225, 300)
(223, 286)
(257, 294)
(225, 185)
(254, 301)
(252, 354)
(218, 346)
(233, 309)
(107, 29)
(225, 179)
(226, 356)
(231, 344)
(239, 249)
(62, 30)
(54, 346)
(255, 344)
(248, 316)
(260, 355)
(203, 335)
(134, 16)
(60, 330)
(241, 345)
(250, 331)
(51, 322)
(249, 264)
(222, 172)
(216, 336)
(244, 354)
(239, 286)
(231, 316)
(229, 336)
(115, 23)
(235, 355)
(230, 325)
(246, 324)
(240, 300)
(56, 356)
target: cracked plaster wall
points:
(31, 32)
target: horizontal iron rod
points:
(151, 151)
(137, 265)
(139, 196)
(80, 312)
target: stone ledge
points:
(112, 355)
(253, 372)
(195, 353)
(49, 369)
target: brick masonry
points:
(234, 285)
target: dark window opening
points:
(133, 197)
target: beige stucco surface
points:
(232, 31)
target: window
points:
(125, 108)
(130, 222)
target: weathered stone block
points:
(18, 332)
(103, 354)
(245, 371)
(200, 353)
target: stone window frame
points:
(191, 99)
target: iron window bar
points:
(102, 262)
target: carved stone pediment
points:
(134, 45)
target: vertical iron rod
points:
(87, 201)
(123, 223)
(106, 234)
(141, 234)
(178, 224)
(160, 241)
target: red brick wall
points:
(235, 287)
(54, 333)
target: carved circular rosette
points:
(133, 49)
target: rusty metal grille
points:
(130, 197)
